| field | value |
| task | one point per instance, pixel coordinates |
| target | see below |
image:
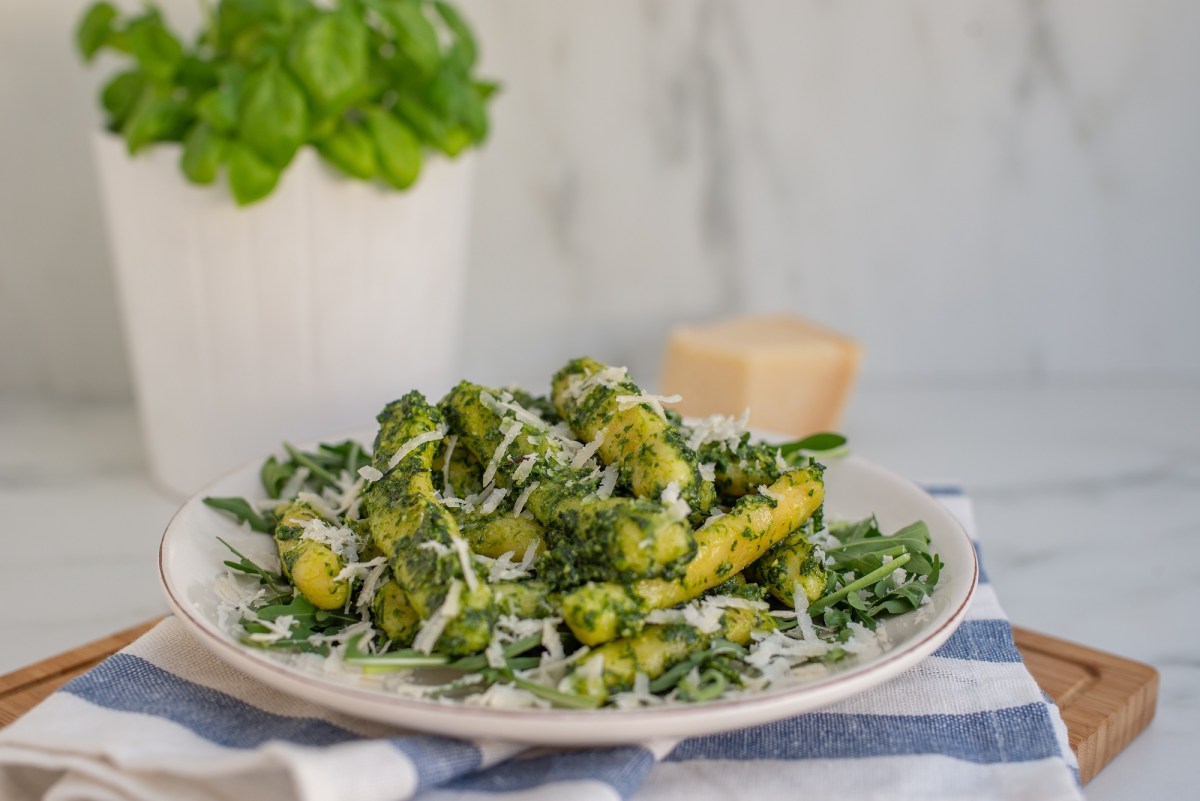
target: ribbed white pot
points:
(294, 318)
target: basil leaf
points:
(156, 49)
(329, 56)
(203, 154)
(274, 75)
(456, 140)
(219, 108)
(274, 116)
(256, 46)
(275, 474)
(398, 149)
(250, 177)
(351, 150)
(196, 76)
(486, 89)
(120, 97)
(464, 51)
(416, 38)
(235, 16)
(456, 98)
(152, 120)
(94, 29)
(422, 119)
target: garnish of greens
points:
(368, 83)
(581, 549)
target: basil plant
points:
(368, 83)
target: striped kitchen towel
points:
(165, 720)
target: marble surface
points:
(1086, 499)
(836, 159)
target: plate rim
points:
(832, 688)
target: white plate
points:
(190, 560)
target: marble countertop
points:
(1072, 484)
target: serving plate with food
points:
(583, 567)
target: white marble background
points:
(978, 190)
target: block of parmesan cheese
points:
(795, 376)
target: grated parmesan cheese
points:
(655, 402)
(339, 539)
(503, 568)
(416, 442)
(506, 696)
(495, 652)
(523, 498)
(608, 482)
(522, 471)
(588, 451)
(318, 504)
(435, 546)
(510, 429)
(676, 505)
(294, 483)
(493, 500)
(665, 617)
(369, 473)
(505, 404)
(278, 629)
(719, 428)
(579, 387)
(766, 492)
(708, 471)
(432, 628)
(447, 487)
(464, 561)
(371, 574)
(551, 641)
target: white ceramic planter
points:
(291, 319)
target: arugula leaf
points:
(275, 474)
(556, 697)
(318, 471)
(244, 565)
(308, 621)
(864, 551)
(241, 509)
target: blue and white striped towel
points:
(165, 720)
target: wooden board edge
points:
(1116, 707)
(64, 663)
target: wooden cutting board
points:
(1106, 700)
